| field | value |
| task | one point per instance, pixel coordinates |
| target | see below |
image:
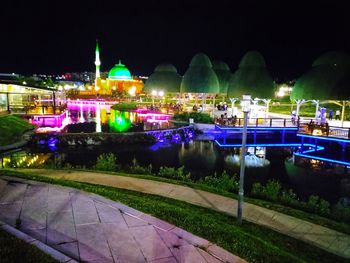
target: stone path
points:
(325, 238)
(90, 228)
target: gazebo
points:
(251, 78)
(200, 78)
(327, 81)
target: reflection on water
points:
(200, 158)
(84, 113)
(110, 120)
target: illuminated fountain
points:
(251, 160)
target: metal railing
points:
(258, 122)
(324, 130)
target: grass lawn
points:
(249, 241)
(12, 128)
(14, 250)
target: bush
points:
(223, 182)
(196, 116)
(312, 203)
(170, 172)
(341, 212)
(257, 190)
(323, 207)
(135, 168)
(289, 198)
(125, 106)
(272, 190)
(106, 162)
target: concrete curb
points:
(32, 241)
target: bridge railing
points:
(258, 122)
(324, 130)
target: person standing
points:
(337, 115)
(330, 115)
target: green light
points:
(119, 121)
(119, 72)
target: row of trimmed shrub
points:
(196, 116)
(273, 191)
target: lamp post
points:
(245, 109)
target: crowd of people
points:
(169, 107)
(226, 121)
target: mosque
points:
(119, 81)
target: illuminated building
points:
(18, 97)
(119, 81)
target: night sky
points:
(59, 36)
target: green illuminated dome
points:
(119, 72)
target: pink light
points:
(78, 102)
(154, 115)
(49, 115)
(157, 121)
(50, 120)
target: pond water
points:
(94, 116)
(203, 158)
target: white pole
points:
(245, 109)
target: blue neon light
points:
(272, 145)
(258, 128)
(322, 159)
(314, 148)
(319, 148)
(323, 138)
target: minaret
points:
(97, 61)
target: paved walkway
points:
(325, 238)
(90, 228)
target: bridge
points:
(310, 140)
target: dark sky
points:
(59, 36)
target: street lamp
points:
(245, 109)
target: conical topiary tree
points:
(328, 79)
(200, 77)
(251, 78)
(224, 74)
(165, 78)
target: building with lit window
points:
(119, 81)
